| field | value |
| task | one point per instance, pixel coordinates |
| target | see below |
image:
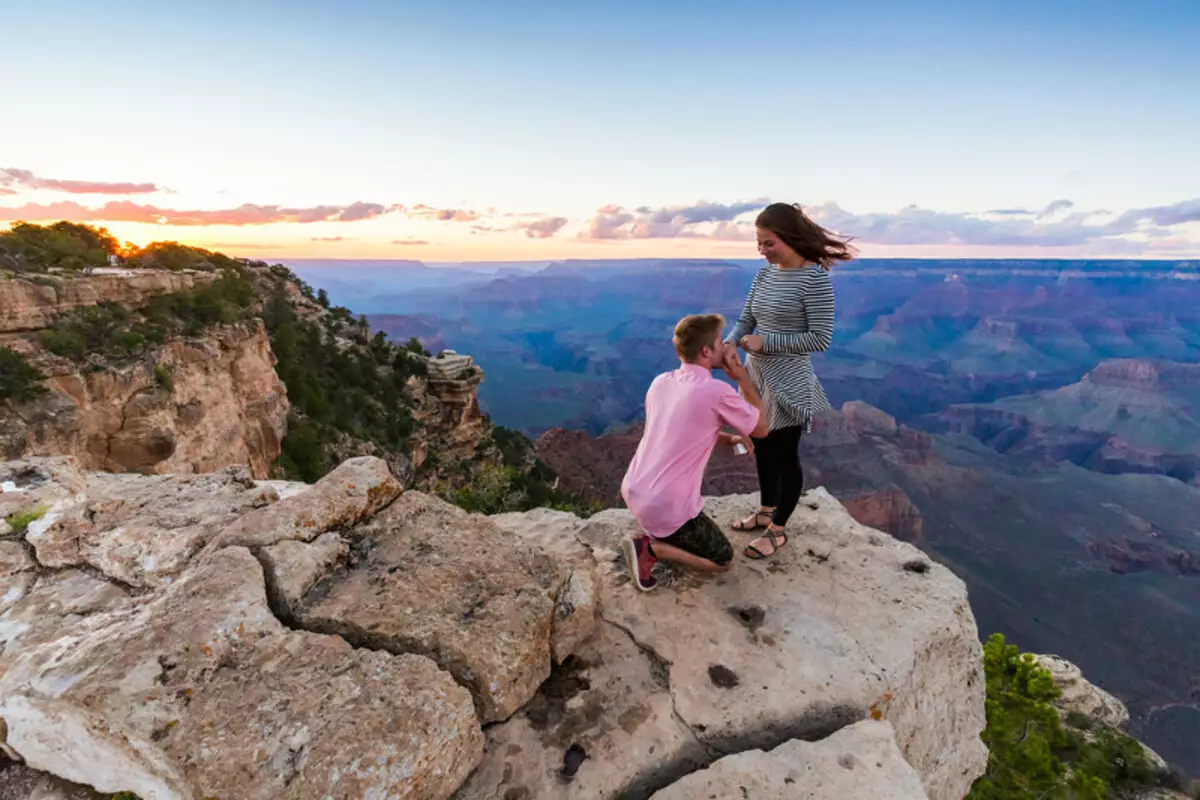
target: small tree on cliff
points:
(19, 380)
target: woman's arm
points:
(818, 305)
(746, 322)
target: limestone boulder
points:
(144, 530)
(553, 533)
(352, 492)
(1081, 695)
(426, 577)
(201, 692)
(860, 760)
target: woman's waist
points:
(781, 356)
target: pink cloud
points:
(544, 228)
(25, 179)
(442, 214)
(409, 242)
(247, 214)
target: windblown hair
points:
(812, 242)
(693, 333)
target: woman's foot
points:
(767, 545)
(756, 521)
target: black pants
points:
(780, 478)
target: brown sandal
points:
(743, 525)
(755, 554)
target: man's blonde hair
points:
(695, 332)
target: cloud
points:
(701, 220)
(246, 214)
(25, 179)
(918, 226)
(356, 211)
(329, 239)
(1166, 216)
(544, 228)
(1056, 206)
(409, 242)
(4, 191)
(1059, 225)
(423, 211)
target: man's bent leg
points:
(665, 552)
(699, 543)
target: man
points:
(685, 411)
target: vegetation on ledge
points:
(19, 380)
(113, 331)
(349, 388)
(1033, 754)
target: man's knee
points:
(723, 556)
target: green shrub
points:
(163, 376)
(19, 380)
(19, 520)
(176, 257)
(64, 245)
(1032, 754)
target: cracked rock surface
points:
(860, 760)
(210, 636)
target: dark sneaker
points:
(640, 562)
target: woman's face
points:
(772, 248)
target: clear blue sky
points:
(556, 109)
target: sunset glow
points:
(382, 132)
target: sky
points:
(459, 131)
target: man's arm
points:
(737, 372)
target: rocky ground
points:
(213, 636)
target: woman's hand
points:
(752, 343)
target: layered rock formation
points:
(29, 305)
(1125, 415)
(193, 405)
(454, 380)
(216, 636)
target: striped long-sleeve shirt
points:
(792, 309)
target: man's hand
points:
(744, 441)
(752, 343)
(732, 364)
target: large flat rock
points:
(426, 577)
(143, 530)
(200, 692)
(859, 761)
(846, 624)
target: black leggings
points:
(780, 478)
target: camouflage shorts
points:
(701, 537)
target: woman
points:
(788, 315)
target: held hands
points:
(732, 364)
(752, 342)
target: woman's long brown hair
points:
(812, 242)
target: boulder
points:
(143, 530)
(201, 692)
(355, 490)
(860, 760)
(426, 577)
(1081, 695)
